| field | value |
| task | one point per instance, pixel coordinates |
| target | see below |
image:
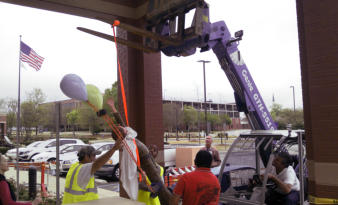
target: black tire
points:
(51, 160)
(30, 159)
(63, 174)
(116, 173)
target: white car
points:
(22, 150)
(110, 170)
(48, 145)
(103, 147)
(51, 155)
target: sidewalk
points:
(50, 182)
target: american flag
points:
(29, 56)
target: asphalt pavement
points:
(104, 189)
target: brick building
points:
(214, 108)
(66, 107)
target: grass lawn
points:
(220, 145)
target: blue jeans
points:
(275, 198)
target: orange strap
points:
(111, 124)
(116, 23)
(138, 161)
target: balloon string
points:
(116, 23)
(120, 76)
(115, 129)
(137, 161)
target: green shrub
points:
(50, 201)
(85, 140)
(88, 139)
(24, 194)
(23, 191)
(3, 150)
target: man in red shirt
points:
(200, 186)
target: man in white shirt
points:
(213, 151)
(287, 191)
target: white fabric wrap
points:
(129, 176)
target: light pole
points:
(294, 103)
(205, 96)
(164, 90)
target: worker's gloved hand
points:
(156, 188)
(257, 180)
(101, 112)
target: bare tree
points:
(2, 105)
(189, 117)
(36, 97)
(12, 106)
(172, 117)
(72, 119)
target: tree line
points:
(284, 116)
(176, 118)
(36, 115)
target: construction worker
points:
(285, 178)
(80, 182)
(200, 186)
(144, 194)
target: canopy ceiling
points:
(98, 9)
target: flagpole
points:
(18, 128)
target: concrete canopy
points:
(99, 9)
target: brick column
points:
(318, 39)
(143, 85)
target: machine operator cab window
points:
(245, 167)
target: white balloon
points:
(74, 87)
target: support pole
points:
(205, 102)
(301, 169)
(205, 97)
(294, 102)
(58, 119)
(32, 182)
(18, 128)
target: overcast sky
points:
(269, 48)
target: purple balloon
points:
(74, 87)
